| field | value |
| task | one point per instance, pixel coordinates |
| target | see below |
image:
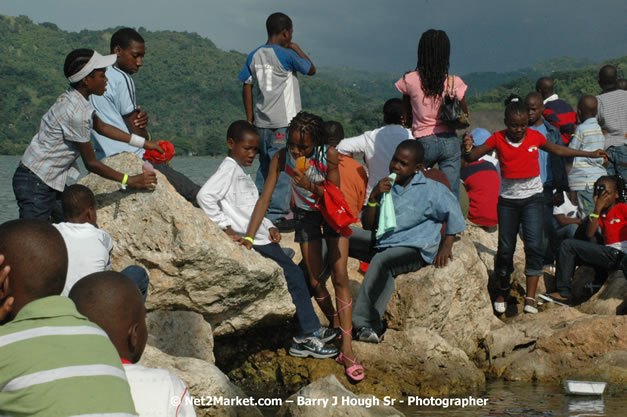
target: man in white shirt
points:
(89, 248)
(122, 315)
(379, 145)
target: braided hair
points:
(310, 124)
(434, 50)
(75, 61)
(619, 184)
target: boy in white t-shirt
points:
(122, 315)
(89, 248)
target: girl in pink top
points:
(423, 91)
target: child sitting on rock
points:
(89, 248)
(121, 314)
(610, 214)
(228, 198)
(421, 206)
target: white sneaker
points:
(500, 307)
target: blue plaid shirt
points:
(421, 207)
(53, 151)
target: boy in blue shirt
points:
(422, 206)
(272, 68)
(229, 198)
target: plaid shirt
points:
(53, 151)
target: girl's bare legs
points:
(312, 255)
(338, 259)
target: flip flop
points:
(351, 371)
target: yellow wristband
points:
(124, 181)
(594, 216)
(250, 239)
(372, 204)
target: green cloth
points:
(387, 216)
(55, 362)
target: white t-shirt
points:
(229, 197)
(158, 392)
(89, 251)
(378, 147)
(567, 208)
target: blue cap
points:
(479, 136)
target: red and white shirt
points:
(520, 161)
(614, 227)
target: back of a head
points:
(113, 302)
(545, 86)
(334, 131)
(277, 23)
(76, 199)
(587, 106)
(36, 252)
(434, 50)
(608, 76)
(622, 83)
(238, 128)
(393, 111)
(124, 37)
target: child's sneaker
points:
(312, 346)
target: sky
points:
(371, 35)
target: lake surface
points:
(504, 398)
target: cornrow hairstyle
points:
(619, 184)
(434, 50)
(512, 98)
(124, 37)
(75, 61)
(310, 124)
(515, 107)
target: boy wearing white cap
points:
(64, 134)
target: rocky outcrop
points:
(180, 333)
(203, 380)
(610, 299)
(192, 266)
(412, 362)
(452, 301)
(327, 397)
(561, 343)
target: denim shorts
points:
(310, 226)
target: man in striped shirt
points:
(612, 117)
(53, 361)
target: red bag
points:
(335, 209)
(157, 158)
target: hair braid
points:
(434, 50)
(310, 124)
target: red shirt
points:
(483, 184)
(613, 225)
(521, 161)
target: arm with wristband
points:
(132, 139)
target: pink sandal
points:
(345, 305)
(351, 371)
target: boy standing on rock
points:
(273, 67)
(229, 198)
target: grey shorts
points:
(310, 226)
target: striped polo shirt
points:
(612, 117)
(585, 171)
(54, 362)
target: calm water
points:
(504, 398)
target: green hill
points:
(188, 86)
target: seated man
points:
(123, 317)
(89, 248)
(54, 361)
(422, 206)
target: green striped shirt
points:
(55, 362)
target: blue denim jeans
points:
(513, 213)
(378, 285)
(444, 149)
(139, 276)
(35, 199)
(296, 285)
(617, 161)
(270, 142)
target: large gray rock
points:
(327, 397)
(203, 380)
(562, 343)
(611, 298)
(452, 301)
(193, 265)
(180, 333)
